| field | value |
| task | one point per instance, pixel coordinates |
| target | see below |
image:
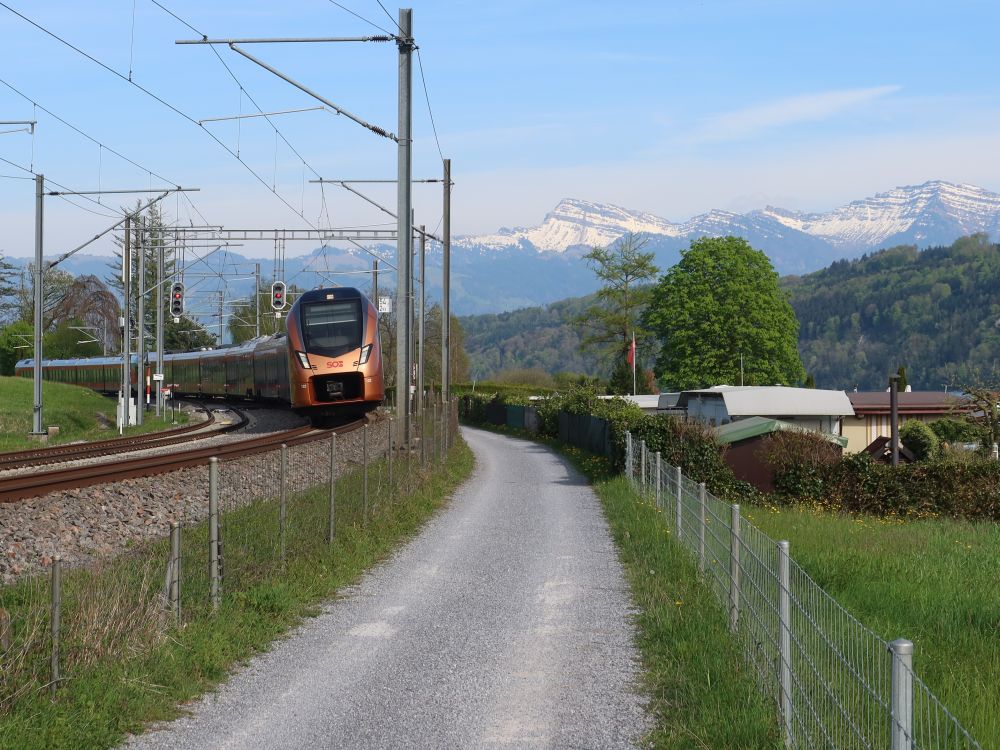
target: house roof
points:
(910, 402)
(752, 427)
(881, 450)
(774, 401)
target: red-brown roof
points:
(911, 403)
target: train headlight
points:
(366, 352)
(304, 360)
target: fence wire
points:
(835, 682)
(272, 512)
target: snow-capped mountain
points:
(933, 213)
(577, 222)
(530, 266)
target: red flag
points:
(630, 358)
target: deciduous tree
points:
(609, 325)
(719, 313)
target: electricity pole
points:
(446, 286)
(404, 228)
(127, 324)
(36, 421)
(159, 328)
(140, 347)
(420, 323)
(256, 297)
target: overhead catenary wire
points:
(427, 98)
(362, 18)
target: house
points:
(871, 413)
(745, 439)
(809, 408)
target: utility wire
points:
(161, 100)
(427, 98)
(367, 21)
(389, 16)
(89, 137)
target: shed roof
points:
(774, 400)
(752, 427)
(910, 402)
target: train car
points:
(328, 364)
(336, 362)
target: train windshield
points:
(332, 328)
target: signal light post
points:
(278, 297)
(177, 299)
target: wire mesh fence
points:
(836, 683)
(239, 524)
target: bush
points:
(799, 461)
(952, 430)
(920, 439)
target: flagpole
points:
(634, 390)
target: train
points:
(327, 364)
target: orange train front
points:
(335, 357)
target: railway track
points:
(41, 483)
(97, 448)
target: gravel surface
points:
(100, 521)
(505, 623)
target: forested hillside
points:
(532, 337)
(937, 312)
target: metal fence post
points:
(213, 532)
(175, 572)
(902, 694)
(423, 440)
(658, 489)
(282, 500)
(702, 502)
(642, 464)
(330, 517)
(389, 460)
(364, 471)
(785, 638)
(628, 457)
(734, 569)
(54, 620)
(680, 499)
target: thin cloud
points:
(751, 121)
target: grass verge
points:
(126, 663)
(73, 408)
(932, 581)
(702, 694)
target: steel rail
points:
(75, 451)
(41, 483)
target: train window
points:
(332, 328)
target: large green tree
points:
(609, 324)
(721, 318)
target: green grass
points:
(932, 581)
(73, 408)
(702, 692)
(126, 663)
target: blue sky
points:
(669, 107)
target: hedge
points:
(805, 470)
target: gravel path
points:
(505, 623)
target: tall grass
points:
(124, 659)
(80, 413)
(702, 693)
(932, 581)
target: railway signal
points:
(177, 299)
(278, 295)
